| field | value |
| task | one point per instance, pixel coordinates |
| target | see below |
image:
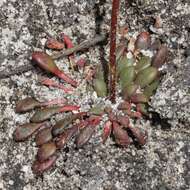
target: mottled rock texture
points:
(163, 164)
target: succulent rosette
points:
(138, 71)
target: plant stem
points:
(81, 47)
(112, 87)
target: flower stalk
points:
(112, 87)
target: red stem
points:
(68, 108)
(66, 78)
(54, 102)
(49, 82)
(94, 120)
(115, 10)
(69, 44)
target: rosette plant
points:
(134, 74)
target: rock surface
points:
(163, 163)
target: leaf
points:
(129, 90)
(46, 151)
(146, 76)
(100, 87)
(97, 110)
(39, 167)
(151, 88)
(54, 44)
(124, 62)
(66, 136)
(139, 98)
(27, 104)
(84, 135)
(123, 120)
(44, 61)
(143, 63)
(127, 75)
(24, 131)
(61, 125)
(44, 114)
(143, 41)
(139, 135)
(121, 136)
(43, 136)
(106, 130)
(160, 57)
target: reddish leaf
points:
(67, 40)
(46, 113)
(139, 135)
(66, 136)
(54, 44)
(124, 106)
(51, 83)
(143, 40)
(123, 120)
(27, 104)
(39, 167)
(24, 131)
(160, 57)
(43, 136)
(121, 136)
(81, 62)
(106, 130)
(69, 108)
(94, 120)
(62, 124)
(46, 62)
(84, 135)
(46, 151)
